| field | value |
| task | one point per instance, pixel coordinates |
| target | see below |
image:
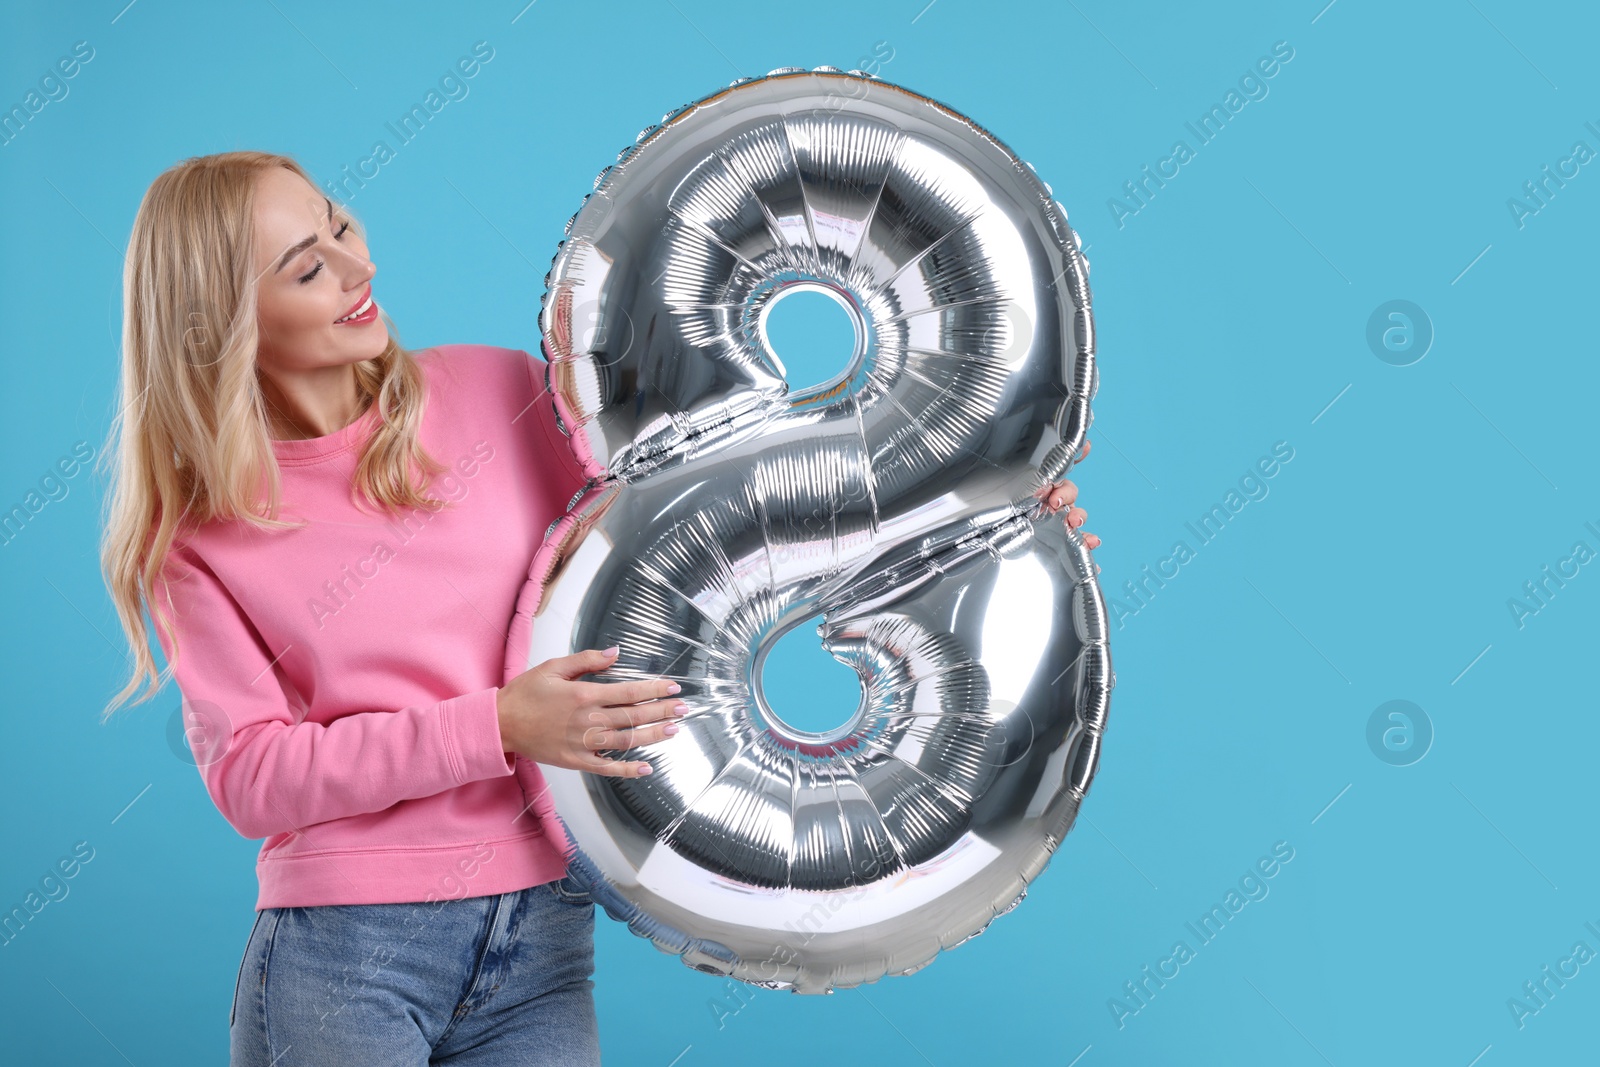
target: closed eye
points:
(313, 273)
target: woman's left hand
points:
(1058, 494)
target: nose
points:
(360, 271)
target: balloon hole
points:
(813, 332)
(804, 693)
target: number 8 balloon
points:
(895, 502)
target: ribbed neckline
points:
(313, 449)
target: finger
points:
(639, 736)
(1083, 452)
(630, 715)
(1057, 494)
(1091, 540)
(608, 694)
(1076, 517)
(587, 661)
(616, 768)
(598, 739)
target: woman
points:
(341, 669)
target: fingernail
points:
(674, 687)
(645, 768)
(670, 729)
(680, 708)
(612, 651)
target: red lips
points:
(351, 310)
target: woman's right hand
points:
(548, 716)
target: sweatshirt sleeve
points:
(269, 773)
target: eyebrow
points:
(304, 243)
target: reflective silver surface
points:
(896, 501)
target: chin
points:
(371, 347)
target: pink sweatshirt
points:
(339, 681)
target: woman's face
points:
(311, 271)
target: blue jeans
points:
(474, 982)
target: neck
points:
(315, 404)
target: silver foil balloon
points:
(895, 501)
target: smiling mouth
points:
(360, 312)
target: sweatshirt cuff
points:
(472, 737)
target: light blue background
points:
(1231, 310)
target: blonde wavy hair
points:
(190, 443)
